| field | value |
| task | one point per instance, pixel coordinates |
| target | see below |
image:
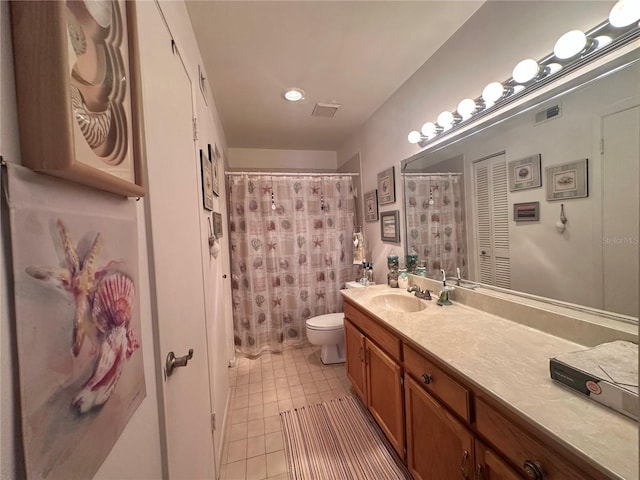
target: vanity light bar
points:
(573, 50)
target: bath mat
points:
(338, 440)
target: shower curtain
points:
(291, 253)
(435, 222)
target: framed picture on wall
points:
(217, 224)
(207, 185)
(525, 173)
(387, 186)
(371, 206)
(526, 212)
(390, 226)
(75, 121)
(568, 180)
(214, 156)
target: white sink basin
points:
(398, 302)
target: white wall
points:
(282, 160)
(137, 453)
(485, 49)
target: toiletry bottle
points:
(403, 278)
(370, 274)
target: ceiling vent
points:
(548, 113)
(327, 110)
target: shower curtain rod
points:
(424, 174)
(295, 174)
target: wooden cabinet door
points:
(489, 466)
(384, 394)
(355, 351)
(438, 446)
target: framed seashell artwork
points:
(214, 156)
(76, 121)
(207, 181)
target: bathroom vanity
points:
(462, 393)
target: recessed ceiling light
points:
(293, 94)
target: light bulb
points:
(526, 70)
(553, 68)
(414, 136)
(445, 119)
(429, 129)
(624, 13)
(492, 92)
(570, 44)
(466, 108)
(602, 41)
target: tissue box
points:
(607, 373)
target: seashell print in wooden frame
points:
(79, 93)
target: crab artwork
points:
(103, 299)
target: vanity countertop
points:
(510, 362)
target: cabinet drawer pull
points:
(533, 470)
(463, 464)
(426, 378)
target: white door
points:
(492, 220)
(173, 225)
(620, 225)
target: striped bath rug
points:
(338, 440)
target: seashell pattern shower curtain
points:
(291, 253)
(435, 222)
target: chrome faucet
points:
(423, 294)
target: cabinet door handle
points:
(463, 464)
(360, 354)
(426, 378)
(478, 474)
(533, 470)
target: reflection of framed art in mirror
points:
(525, 173)
(371, 206)
(526, 212)
(75, 121)
(568, 180)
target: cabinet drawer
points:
(521, 448)
(373, 330)
(439, 383)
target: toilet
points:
(328, 331)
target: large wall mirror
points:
(506, 204)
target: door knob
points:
(174, 362)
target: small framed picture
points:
(525, 173)
(568, 180)
(371, 206)
(217, 224)
(526, 212)
(390, 226)
(207, 181)
(387, 186)
(214, 155)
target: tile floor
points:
(260, 389)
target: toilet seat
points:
(329, 321)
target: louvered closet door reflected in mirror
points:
(491, 220)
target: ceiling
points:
(355, 53)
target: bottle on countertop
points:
(403, 278)
(370, 274)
